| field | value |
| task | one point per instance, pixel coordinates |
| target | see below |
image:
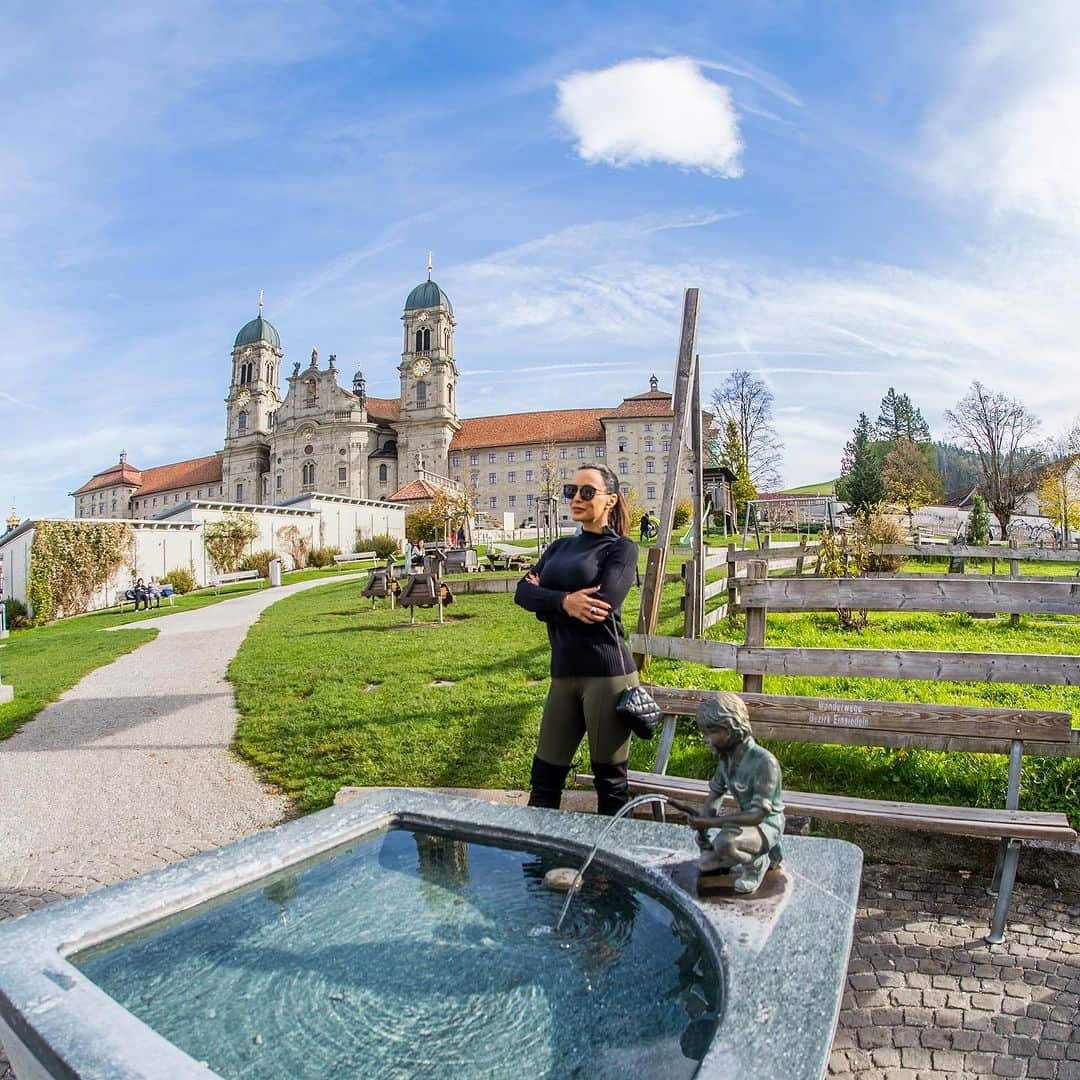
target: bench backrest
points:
(889, 723)
(236, 575)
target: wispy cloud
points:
(645, 111)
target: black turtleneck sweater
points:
(578, 562)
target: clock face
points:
(421, 367)
(243, 397)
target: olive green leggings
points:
(582, 705)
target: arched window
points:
(309, 474)
(419, 340)
(246, 372)
(427, 341)
(383, 474)
(241, 421)
(270, 421)
(421, 392)
(269, 371)
(446, 339)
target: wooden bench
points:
(356, 556)
(236, 575)
(506, 557)
(896, 725)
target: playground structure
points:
(382, 582)
(799, 514)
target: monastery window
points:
(622, 446)
(564, 474)
(446, 339)
(270, 417)
(491, 459)
(383, 477)
(342, 474)
(511, 477)
(245, 373)
(199, 493)
(650, 491)
(648, 427)
(622, 428)
(528, 476)
(241, 421)
(665, 427)
(563, 452)
(269, 372)
(581, 451)
(665, 445)
(665, 464)
(423, 341)
(493, 502)
(529, 500)
(279, 481)
(474, 459)
(650, 465)
(240, 492)
(311, 392)
(624, 467)
(528, 455)
(155, 500)
(545, 454)
(493, 478)
(308, 474)
(421, 392)
(511, 455)
(648, 446)
(455, 461)
(599, 451)
(511, 500)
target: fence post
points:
(756, 570)
(732, 591)
(689, 598)
(799, 560)
(1014, 572)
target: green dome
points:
(427, 294)
(257, 330)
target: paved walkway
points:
(131, 768)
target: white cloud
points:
(644, 111)
(1006, 130)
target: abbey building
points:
(290, 436)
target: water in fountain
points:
(623, 811)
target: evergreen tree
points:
(900, 419)
(977, 532)
(860, 485)
(733, 456)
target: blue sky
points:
(866, 194)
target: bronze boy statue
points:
(747, 840)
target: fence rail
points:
(961, 551)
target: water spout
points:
(623, 811)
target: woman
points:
(577, 588)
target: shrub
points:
(181, 580)
(226, 539)
(878, 530)
(258, 560)
(297, 543)
(683, 512)
(15, 614)
(383, 545)
(977, 531)
(322, 556)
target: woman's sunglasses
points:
(587, 491)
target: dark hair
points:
(619, 515)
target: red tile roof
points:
(651, 403)
(384, 408)
(112, 477)
(415, 491)
(560, 425)
(203, 470)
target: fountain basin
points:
(765, 977)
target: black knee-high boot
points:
(546, 781)
(612, 791)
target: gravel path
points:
(131, 768)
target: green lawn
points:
(43, 662)
(332, 693)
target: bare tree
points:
(746, 399)
(997, 428)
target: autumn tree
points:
(1058, 486)
(733, 456)
(746, 400)
(909, 480)
(998, 429)
(861, 485)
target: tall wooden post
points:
(653, 586)
(756, 570)
(1014, 572)
(697, 485)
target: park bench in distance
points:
(508, 557)
(122, 601)
(356, 556)
(850, 722)
(236, 575)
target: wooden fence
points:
(757, 594)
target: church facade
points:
(287, 438)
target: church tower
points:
(251, 404)
(429, 379)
